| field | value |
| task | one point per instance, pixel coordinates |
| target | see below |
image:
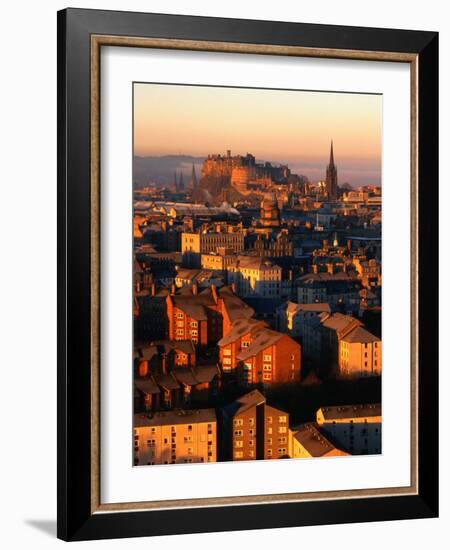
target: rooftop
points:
(361, 336)
(341, 412)
(262, 340)
(313, 441)
(177, 416)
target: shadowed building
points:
(355, 428)
(253, 430)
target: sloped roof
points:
(166, 381)
(313, 440)
(249, 400)
(146, 385)
(234, 306)
(340, 322)
(360, 335)
(293, 307)
(263, 339)
(239, 328)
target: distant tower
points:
(270, 213)
(193, 181)
(175, 181)
(181, 182)
(331, 177)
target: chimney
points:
(194, 289)
(172, 289)
(164, 363)
(214, 293)
(349, 244)
(143, 368)
(153, 290)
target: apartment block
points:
(175, 437)
(253, 430)
(354, 428)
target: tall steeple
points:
(181, 182)
(193, 181)
(331, 176)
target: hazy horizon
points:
(282, 126)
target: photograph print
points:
(257, 280)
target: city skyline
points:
(280, 126)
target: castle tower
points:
(331, 177)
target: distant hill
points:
(160, 170)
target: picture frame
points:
(81, 36)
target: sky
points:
(286, 126)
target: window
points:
(282, 430)
(267, 376)
(238, 422)
(227, 351)
(251, 421)
(194, 332)
(267, 366)
(238, 444)
(282, 451)
(190, 427)
(267, 358)
(227, 360)
(269, 452)
(245, 344)
(282, 419)
(194, 324)
(238, 433)
(269, 420)
(269, 431)
(251, 454)
(180, 324)
(180, 315)
(238, 454)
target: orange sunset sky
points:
(293, 127)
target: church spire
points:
(331, 179)
(193, 181)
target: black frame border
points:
(75, 520)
